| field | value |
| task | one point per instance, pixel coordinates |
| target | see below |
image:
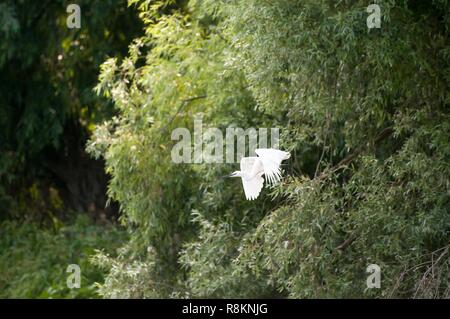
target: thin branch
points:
(349, 158)
(324, 145)
(347, 243)
(182, 105)
(430, 269)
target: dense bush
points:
(364, 112)
(34, 258)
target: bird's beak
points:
(226, 176)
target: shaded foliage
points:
(34, 259)
(47, 107)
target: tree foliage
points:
(365, 113)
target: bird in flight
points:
(267, 163)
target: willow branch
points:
(349, 158)
(182, 105)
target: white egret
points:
(267, 163)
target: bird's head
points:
(235, 174)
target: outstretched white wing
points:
(252, 179)
(271, 161)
